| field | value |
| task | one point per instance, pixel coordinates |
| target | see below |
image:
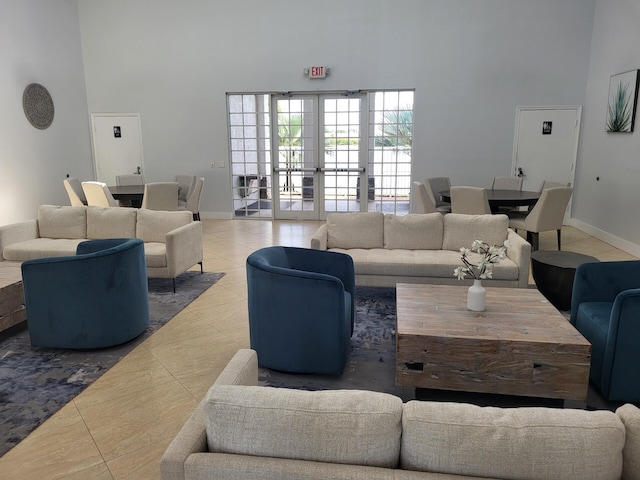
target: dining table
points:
(133, 193)
(503, 198)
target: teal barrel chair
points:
(301, 309)
(605, 308)
(94, 299)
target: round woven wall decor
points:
(38, 106)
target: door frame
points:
(576, 139)
(516, 134)
(95, 145)
(318, 170)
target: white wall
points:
(471, 63)
(40, 43)
(609, 207)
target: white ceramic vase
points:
(477, 297)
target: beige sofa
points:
(243, 431)
(421, 248)
(172, 240)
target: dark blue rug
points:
(36, 382)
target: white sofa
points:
(172, 240)
(243, 431)
(421, 248)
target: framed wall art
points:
(621, 105)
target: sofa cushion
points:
(355, 230)
(153, 225)
(62, 222)
(414, 231)
(111, 222)
(516, 443)
(461, 230)
(418, 263)
(155, 254)
(345, 426)
(40, 248)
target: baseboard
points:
(617, 242)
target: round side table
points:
(553, 272)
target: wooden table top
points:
(512, 314)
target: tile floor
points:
(119, 427)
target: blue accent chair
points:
(95, 299)
(301, 309)
(605, 308)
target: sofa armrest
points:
(630, 416)
(242, 369)
(17, 232)
(319, 239)
(520, 253)
(184, 248)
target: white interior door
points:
(546, 144)
(117, 145)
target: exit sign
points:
(317, 72)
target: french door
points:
(301, 156)
(320, 157)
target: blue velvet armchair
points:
(605, 308)
(97, 298)
(301, 309)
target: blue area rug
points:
(36, 382)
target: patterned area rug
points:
(36, 382)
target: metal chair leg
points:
(559, 240)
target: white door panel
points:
(117, 144)
(546, 156)
(545, 145)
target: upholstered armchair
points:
(97, 298)
(301, 308)
(605, 308)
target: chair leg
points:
(174, 284)
(535, 241)
(201, 268)
(559, 240)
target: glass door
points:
(300, 156)
(319, 156)
(343, 160)
(295, 165)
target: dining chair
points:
(98, 194)
(507, 183)
(74, 190)
(160, 196)
(435, 185)
(130, 179)
(420, 200)
(469, 200)
(187, 184)
(192, 203)
(547, 214)
(551, 184)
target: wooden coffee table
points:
(521, 345)
(12, 309)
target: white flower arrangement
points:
(489, 255)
